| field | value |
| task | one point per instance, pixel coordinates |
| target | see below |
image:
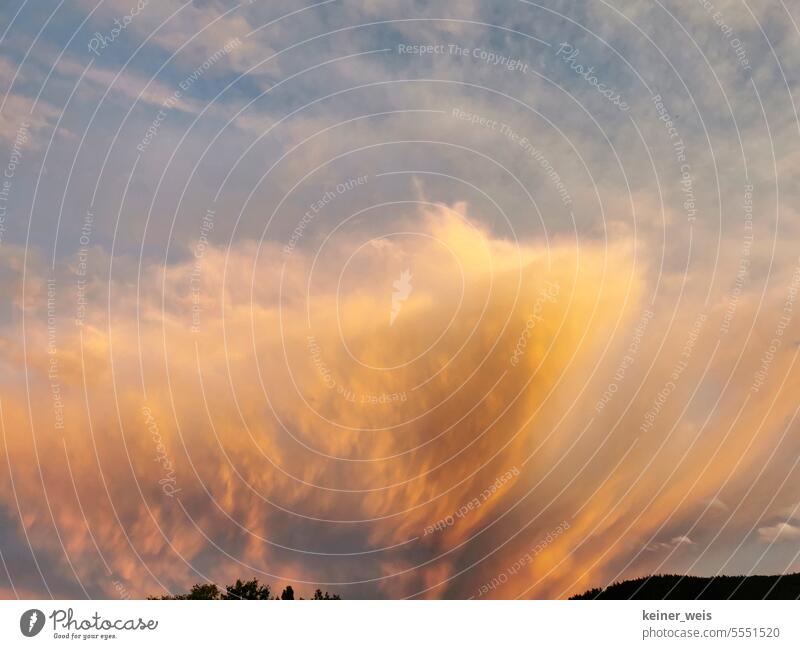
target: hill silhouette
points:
(688, 587)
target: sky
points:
(397, 299)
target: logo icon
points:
(402, 289)
(31, 622)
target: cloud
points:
(789, 512)
(778, 533)
(248, 410)
(254, 410)
(192, 33)
(674, 543)
(271, 424)
(21, 128)
(130, 86)
(717, 504)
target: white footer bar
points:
(354, 624)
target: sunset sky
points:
(397, 299)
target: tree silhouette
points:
(241, 590)
(203, 591)
(318, 595)
(691, 587)
(199, 591)
(246, 590)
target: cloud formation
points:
(220, 423)
(370, 310)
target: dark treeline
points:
(242, 590)
(685, 587)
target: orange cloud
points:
(300, 418)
